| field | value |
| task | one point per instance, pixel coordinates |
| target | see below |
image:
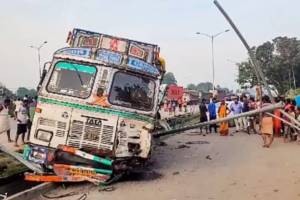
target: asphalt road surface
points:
(213, 168)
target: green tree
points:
(205, 87)
(32, 93)
(22, 91)
(280, 62)
(5, 92)
(191, 86)
(169, 78)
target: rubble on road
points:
(197, 142)
(182, 146)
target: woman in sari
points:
(277, 122)
(223, 112)
(266, 124)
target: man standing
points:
(212, 114)
(4, 118)
(179, 101)
(22, 120)
(246, 108)
(174, 107)
(184, 104)
(18, 103)
(236, 109)
(252, 119)
(203, 115)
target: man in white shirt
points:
(22, 120)
(18, 103)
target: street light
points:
(38, 48)
(212, 37)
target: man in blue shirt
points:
(212, 114)
(237, 108)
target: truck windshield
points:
(132, 91)
(72, 79)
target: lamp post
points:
(38, 48)
(212, 38)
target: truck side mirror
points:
(43, 75)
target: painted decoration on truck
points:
(109, 57)
(113, 44)
(136, 51)
(89, 41)
(141, 51)
(80, 52)
(140, 65)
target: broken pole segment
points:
(290, 117)
(284, 121)
(217, 121)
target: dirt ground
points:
(230, 168)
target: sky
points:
(171, 24)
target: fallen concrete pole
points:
(284, 121)
(290, 117)
(217, 121)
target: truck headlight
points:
(44, 135)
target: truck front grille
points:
(61, 125)
(107, 135)
(83, 135)
(58, 125)
(46, 122)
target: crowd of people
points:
(171, 105)
(268, 126)
(218, 110)
(22, 111)
(264, 124)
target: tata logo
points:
(93, 120)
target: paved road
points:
(228, 168)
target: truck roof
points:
(115, 51)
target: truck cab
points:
(100, 96)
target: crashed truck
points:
(96, 108)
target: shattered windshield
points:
(72, 79)
(132, 91)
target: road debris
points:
(197, 142)
(208, 157)
(106, 189)
(234, 183)
(176, 173)
(82, 197)
(70, 194)
(182, 146)
(162, 144)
